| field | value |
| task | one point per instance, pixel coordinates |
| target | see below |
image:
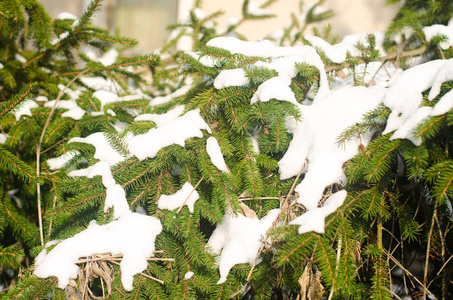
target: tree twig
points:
(38, 155)
(428, 250)
(145, 275)
(385, 58)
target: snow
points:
(98, 83)
(116, 199)
(314, 149)
(66, 16)
(254, 9)
(188, 275)
(438, 29)
(41, 98)
(444, 105)
(315, 140)
(206, 61)
(215, 154)
(444, 74)
(3, 138)
(103, 151)
(187, 195)
(406, 130)
(74, 95)
(20, 58)
(274, 88)
(165, 99)
(107, 59)
(284, 64)
(405, 93)
(238, 239)
(177, 131)
(25, 109)
(58, 162)
(132, 235)
(74, 111)
(105, 97)
(337, 53)
(233, 77)
(162, 119)
(314, 219)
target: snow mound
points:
(238, 239)
(315, 140)
(187, 195)
(132, 235)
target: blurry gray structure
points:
(146, 20)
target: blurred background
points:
(147, 20)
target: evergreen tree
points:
(247, 170)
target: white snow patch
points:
(25, 109)
(74, 95)
(444, 74)
(161, 119)
(315, 140)
(274, 88)
(444, 105)
(107, 59)
(116, 199)
(105, 97)
(132, 235)
(103, 151)
(74, 111)
(99, 83)
(233, 77)
(187, 195)
(405, 93)
(175, 132)
(254, 9)
(60, 161)
(205, 60)
(66, 16)
(3, 138)
(286, 69)
(238, 239)
(41, 98)
(20, 58)
(438, 29)
(165, 99)
(188, 275)
(406, 130)
(314, 219)
(215, 154)
(337, 53)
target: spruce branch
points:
(17, 99)
(383, 59)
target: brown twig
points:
(406, 271)
(38, 155)
(145, 275)
(108, 257)
(428, 250)
(385, 58)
